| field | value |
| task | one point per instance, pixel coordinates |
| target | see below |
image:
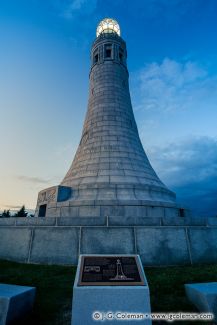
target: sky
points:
(44, 67)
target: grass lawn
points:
(54, 288)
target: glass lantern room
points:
(108, 25)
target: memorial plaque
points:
(110, 270)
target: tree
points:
(21, 213)
(5, 214)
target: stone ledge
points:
(82, 221)
(183, 221)
(48, 221)
(133, 221)
(7, 221)
(115, 217)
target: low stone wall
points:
(158, 240)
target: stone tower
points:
(110, 174)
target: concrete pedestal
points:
(15, 302)
(203, 296)
(110, 304)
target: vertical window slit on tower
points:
(121, 54)
(108, 51)
(95, 57)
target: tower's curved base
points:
(101, 200)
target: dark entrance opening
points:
(108, 53)
(42, 210)
(182, 212)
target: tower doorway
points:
(42, 210)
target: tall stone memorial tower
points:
(110, 201)
(110, 174)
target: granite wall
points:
(158, 240)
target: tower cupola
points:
(107, 26)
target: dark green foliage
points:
(54, 289)
(5, 214)
(21, 213)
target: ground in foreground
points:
(55, 283)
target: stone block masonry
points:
(110, 163)
(111, 200)
(160, 241)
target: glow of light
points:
(108, 25)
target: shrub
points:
(5, 214)
(21, 213)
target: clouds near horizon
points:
(189, 167)
(33, 180)
(178, 98)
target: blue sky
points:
(44, 66)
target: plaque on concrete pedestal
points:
(110, 270)
(107, 286)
